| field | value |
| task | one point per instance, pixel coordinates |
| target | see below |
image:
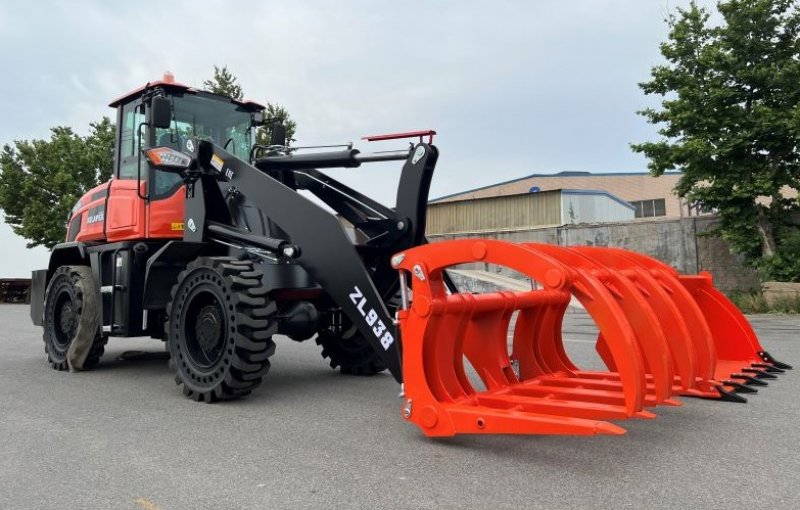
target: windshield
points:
(224, 123)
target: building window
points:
(650, 208)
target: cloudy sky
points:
(513, 88)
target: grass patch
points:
(754, 302)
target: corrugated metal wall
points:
(496, 213)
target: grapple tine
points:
(764, 355)
(730, 396)
(769, 368)
(759, 374)
(739, 387)
(752, 381)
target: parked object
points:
(203, 239)
(15, 290)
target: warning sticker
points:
(177, 226)
(216, 162)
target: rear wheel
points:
(347, 349)
(72, 319)
(219, 329)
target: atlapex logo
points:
(371, 316)
(96, 214)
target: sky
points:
(512, 88)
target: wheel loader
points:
(209, 241)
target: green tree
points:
(730, 120)
(276, 113)
(225, 83)
(40, 180)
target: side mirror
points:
(161, 112)
(278, 134)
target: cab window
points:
(132, 118)
(226, 124)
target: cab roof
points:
(170, 85)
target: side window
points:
(237, 139)
(166, 183)
(129, 142)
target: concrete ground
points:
(122, 436)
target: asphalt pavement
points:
(123, 436)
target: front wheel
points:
(72, 336)
(219, 329)
(348, 350)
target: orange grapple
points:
(661, 335)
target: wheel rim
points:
(65, 322)
(204, 327)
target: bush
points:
(786, 305)
(750, 302)
(782, 267)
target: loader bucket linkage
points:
(661, 335)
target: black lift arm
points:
(358, 283)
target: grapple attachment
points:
(655, 337)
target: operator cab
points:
(141, 202)
(227, 122)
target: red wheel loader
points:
(202, 238)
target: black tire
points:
(219, 329)
(349, 351)
(72, 315)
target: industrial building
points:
(650, 196)
(526, 210)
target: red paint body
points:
(127, 216)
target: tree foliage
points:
(225, 83)
(730, 120)
(41, 180)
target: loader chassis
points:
(138, 234)
(205, 240)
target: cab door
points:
(125, 214)
(125, 217)
(166, 191)
(166, 205)
(143, 203)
